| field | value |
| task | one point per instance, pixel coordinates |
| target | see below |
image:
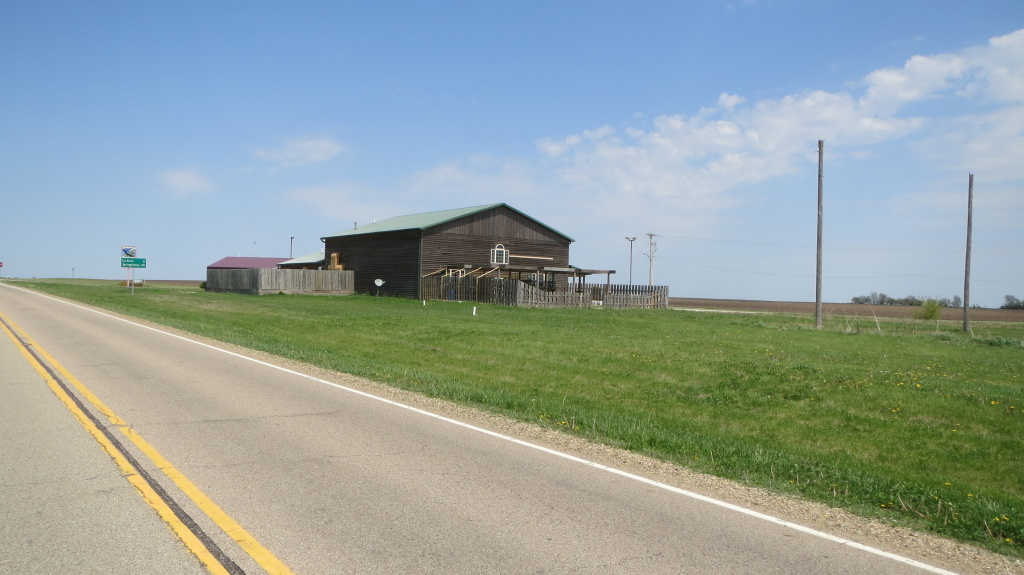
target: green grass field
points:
(911, 421)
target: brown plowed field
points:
(846, 309)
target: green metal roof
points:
(429, 220)
(313, 258)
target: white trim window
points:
(499, 255)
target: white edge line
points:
(626, 474)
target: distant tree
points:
(1012, 303)
(929, 309)
(881, 299)
(910, 300)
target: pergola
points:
(575, 278)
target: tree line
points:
(1011, 302)
(881, 299)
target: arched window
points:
(499, 255)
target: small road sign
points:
(133, 262)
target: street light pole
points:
(630, 240)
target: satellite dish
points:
(378, 282)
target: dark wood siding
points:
(440, 250)
(392, 257)
(500, 222)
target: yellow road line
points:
(270, 563)
(127, 469)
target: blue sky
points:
(198, 130)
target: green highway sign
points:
(133, 262)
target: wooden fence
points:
(636, 296)
(517, 293)
(270, 281)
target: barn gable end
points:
(500, 221)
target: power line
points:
(839, 249)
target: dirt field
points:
(846, 309)
(193, 283)
(827, 309)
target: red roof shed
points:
(239, 263)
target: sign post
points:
(130, 262)
(1, 269)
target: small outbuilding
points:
(313, 261)
(250, 275)
(245, 263)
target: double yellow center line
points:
(198, 542)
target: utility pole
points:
(817, 273)
(291, 244)
(652, 246)
(967, 265)
(630, 240)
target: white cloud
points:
(1000, 67)
(185, 182)
(987, 137)
(697, 160)
(921, 78)
(729, 101)
(301, 152)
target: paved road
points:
(312, 478)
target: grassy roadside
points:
(910, 421)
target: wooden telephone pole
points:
(817, 273)
(652, 246)
(967, 266)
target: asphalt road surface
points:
(129, 450)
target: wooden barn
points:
(401, 251)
